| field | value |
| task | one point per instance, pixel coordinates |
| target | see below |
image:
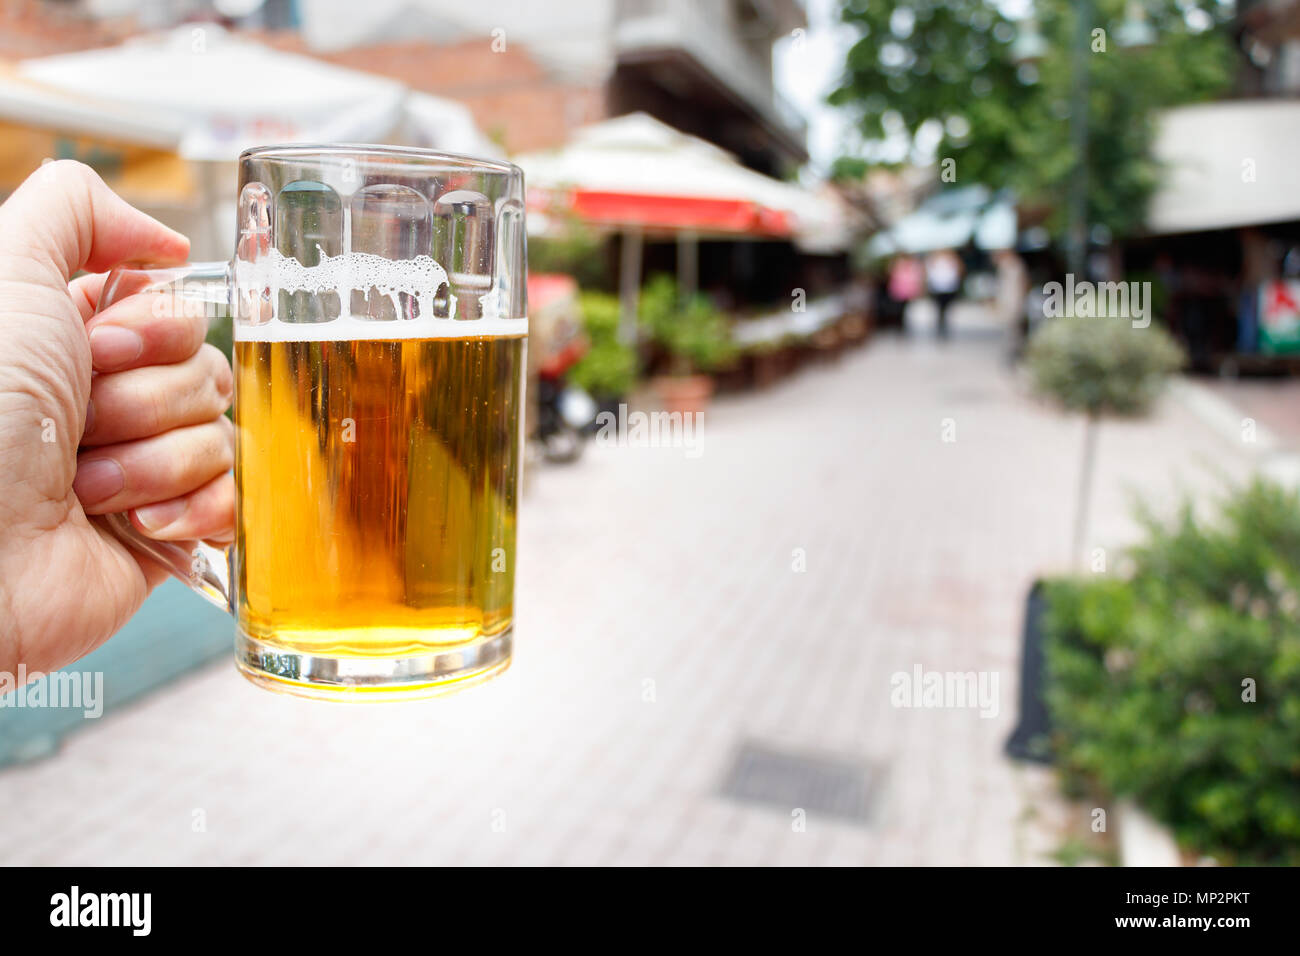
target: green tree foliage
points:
(1180, 687)
(954, 66)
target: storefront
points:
(1223, 248)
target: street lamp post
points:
(1077, 245)
(1133, 33)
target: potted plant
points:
(695, 336)
(1101, 365)
(608, 369)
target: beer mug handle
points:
(206, 288)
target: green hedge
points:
(1145, 677)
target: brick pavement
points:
(641, 565)
(1273, 402)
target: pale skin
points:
(120, 411)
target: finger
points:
(126, 406)
(207, 513)
(133, 474)
(85, 291)
(144, 329)
(64, 215)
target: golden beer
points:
(377, 491)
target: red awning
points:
(636, 172)
(672, 213)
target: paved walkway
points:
(1272, 403)
(660, 625)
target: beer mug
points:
(379, 310)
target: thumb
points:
(65, 215)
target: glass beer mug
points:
(378, 298)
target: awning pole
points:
(629, 284)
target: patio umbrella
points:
(639, 176)
(638, 171)
(198, 96)
(220, 94)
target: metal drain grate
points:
(818, 783)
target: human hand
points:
(98, 413)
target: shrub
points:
(1145, 677)
(1101, 365)
(608, 369)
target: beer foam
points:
(420, 278)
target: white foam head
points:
(420, 278)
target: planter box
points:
(689, 394)
(1031, 738)
(1143, 840)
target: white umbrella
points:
(637, 171)
(216, 94)
(207, 95)
(639, 175)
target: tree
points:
(953, 70)
(1100, 365)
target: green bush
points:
(1145, 677)
(608, 369)
(695, 333)
(1101, 365)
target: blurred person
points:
(906, 282)
(943, 275)
(116, 412)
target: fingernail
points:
(156, 517)
(112, 346)
(98, 480)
